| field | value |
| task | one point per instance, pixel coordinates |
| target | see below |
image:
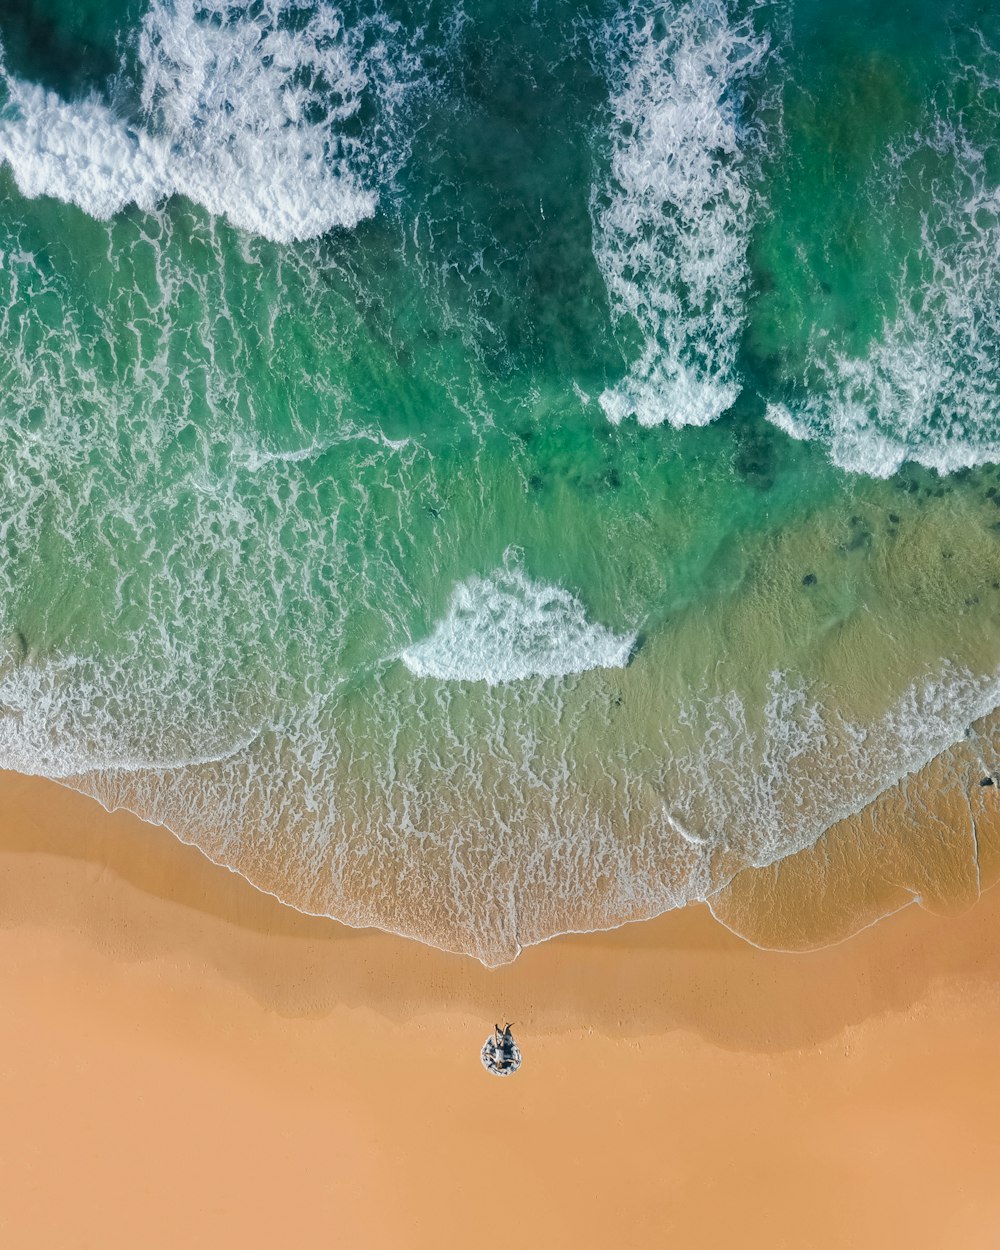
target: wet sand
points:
(183, 1061)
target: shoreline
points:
(183, 1060)
(70, 826)
(885, 841)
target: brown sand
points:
(185, 1063)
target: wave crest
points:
(252, 114)
(506, 627)
(671, 221)
(925, 390)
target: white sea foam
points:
(671, 223)
(80, 153)
(256, 458)
(506, 627)
(481, 817)
(253, 114)
(70, 714)
(483, 830)
(765, 784)
(926, 389)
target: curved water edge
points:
(515, 926)
(847, 926)
(398, 500)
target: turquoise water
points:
(485, 470)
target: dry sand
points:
(186, 1063)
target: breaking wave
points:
(926, 389)
(252, 113)
(672, 219)
(242, 488)
(507, 627)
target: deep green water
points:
(492, 469)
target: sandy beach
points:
(185, 1062)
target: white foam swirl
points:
(671, 222)
(925, 390)
(506, 627)
(250, 113)
(71, 714)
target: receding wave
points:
(251, 113)
(672, 220)
(476, 837)
(507, 627)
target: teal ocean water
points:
(489, 469)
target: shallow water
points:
(495, 469)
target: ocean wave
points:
(750, 781)
(672, 219)
(481, 839)
(252, 113)
(506, 627)
(70, 714)
(926, 388)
